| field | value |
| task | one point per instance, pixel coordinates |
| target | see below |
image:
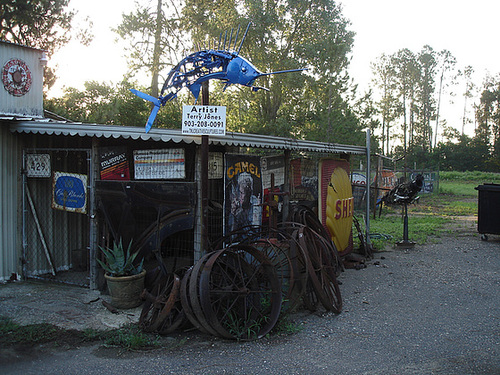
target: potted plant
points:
(124, 279)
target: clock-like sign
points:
(16, 77)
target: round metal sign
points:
(16, 77)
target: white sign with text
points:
(203, 120)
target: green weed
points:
(130, 337)
(286, 326)
(31, 333)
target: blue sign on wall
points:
(70, 192)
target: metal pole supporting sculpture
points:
(209, 63)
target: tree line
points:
(402, 109)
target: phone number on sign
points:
(204, 124)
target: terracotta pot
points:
(125, 291)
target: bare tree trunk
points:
(155, 68)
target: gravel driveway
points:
(433, 309)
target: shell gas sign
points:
(336, 202)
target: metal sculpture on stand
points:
(403, 194)
(217, 62)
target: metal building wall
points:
(9, 198)
(28, 101)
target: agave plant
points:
(118, 262)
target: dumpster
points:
(488, 210)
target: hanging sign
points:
(38, 165)
(70, 192)
(159, 164)
(215, 165)
(113, 163)
(242, 191)
(203, 120)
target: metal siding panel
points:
(31, 103)
(8, 203)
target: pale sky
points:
(468, 29)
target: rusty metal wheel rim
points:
(154, 303)
(195, 293)
(186, 301)
(321, 273)
(241, 293)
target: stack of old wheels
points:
(323, 284)
(162, 311)
(323, 261)
(284, 253)
(233, 293)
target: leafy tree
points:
(426, 103)
(446, 63)
(488, 118)
(406, 73)
(384, 79)
(42, 24)
(468, 94)
(287, 35)
(112, 104)
(153, 32)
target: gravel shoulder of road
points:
(431, 309)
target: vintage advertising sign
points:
(215, 165)
(304, 180)
(273, 165)
(203, 120)
(113, 163)
(387, 179)
(336, 202)
(38, 165)
(70, 192)
(166, 164)
(358, 181)
(243, 191)
(16, 77)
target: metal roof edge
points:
(175, 135)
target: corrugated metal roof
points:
(175, 135)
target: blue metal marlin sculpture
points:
(206, 64)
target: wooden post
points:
(205, 100)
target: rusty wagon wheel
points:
(321, 271)
(186, 301)
(158, 302)
(195, 293)
(240, 293)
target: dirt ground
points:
(431, 309)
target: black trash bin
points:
(488, 210)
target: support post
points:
(368, 167)
(204, 175)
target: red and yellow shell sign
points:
(337, 203)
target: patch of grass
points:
(463, 188)
(421, 229)
(286, 326)
(474, 176)
(428, 218)
(129, 337)
(31, 333)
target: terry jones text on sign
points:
(203, 120)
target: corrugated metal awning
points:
(175, 135)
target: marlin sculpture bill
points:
(206, 64)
